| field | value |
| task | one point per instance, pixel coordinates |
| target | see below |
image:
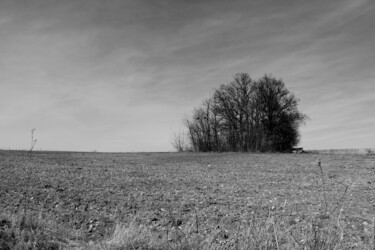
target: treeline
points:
(246, 115)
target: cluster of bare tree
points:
(246, 115)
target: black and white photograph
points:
(187, 124)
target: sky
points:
(121, 75)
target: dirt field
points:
(226, 200)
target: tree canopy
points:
(247, 115)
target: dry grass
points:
(32, 231)
(187, 201)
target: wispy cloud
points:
(120, 75)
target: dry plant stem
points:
(33, 141)
(274, 231)
(294, 239)
(182, 233)
(132, 245)
(27, 192)
(340, 200)
(196, 220)
(29, 169)
(167, 237)
(324, 186)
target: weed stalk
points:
(29, 170)
(324, 186)
(274, 231)
(196, 220)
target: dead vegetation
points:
(186, 201)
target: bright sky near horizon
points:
(121, 75)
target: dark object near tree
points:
(297, 150)
(246, 115)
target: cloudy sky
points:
(121, 75)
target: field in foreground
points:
(186, 201)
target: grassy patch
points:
(187, 201)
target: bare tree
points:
(246, 115)
(179, 142)
(233, 104)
